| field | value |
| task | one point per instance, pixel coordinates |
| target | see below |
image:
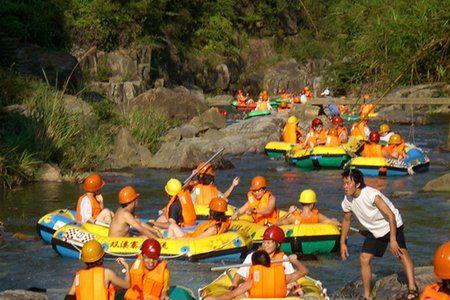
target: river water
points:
(25, 264)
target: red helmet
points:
(274, 233)
(283, 91)
(316, 122)
(337, 120)
(151, 248)
(374, 137)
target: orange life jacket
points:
(400, 149)
(90, 285)
(300, 219)
(222, 227)
(333, 141)
(96, 208)
(262, 105)
(341, 130)
(241, 98)
(372, 150)
(187, 208)
(314, 136)
(268, 282)
(284, 95)
(146, 283)
(366, 109)
(308, 95)
(271, 218)
(358, 129)
(343, 109)
(205, 193)
(265, 96)
(280, 109)
(431, 292)
(289, 134)
(296, 99)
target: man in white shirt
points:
(384, 223)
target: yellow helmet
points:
(395, 139)
(384, 128)
(292, 120)
(307, 197)
(173, 186)
(92, 251)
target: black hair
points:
(445, 286)
(94, 264)
(356, 175)
(219, 216)
(206, 179)
(261, 257)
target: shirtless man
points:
(124, 218)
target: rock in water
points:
(22, 295)
(440, 184)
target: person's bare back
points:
(120, 225)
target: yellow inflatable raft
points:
(68, 240)
(279, 149)
(202, 211)
(313, 289)
(320, 157)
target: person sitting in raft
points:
(150, 277)
(360, 129)
(395, 148)
(262, 104)
(180, 208)
(283, 107)
(316, 135)
(284, 94)
(206, 189)
(385, 133)
(291, 132)
(373, 148)
(124, 218)
(295, 99)
(261, 204)
(217, 224)
(308, 213)
(439, 290)
(332, 138)
(265, 95)
(90, 206)
(338, 124)
(273, 237)
(308, 93)
(241, 99)
(97, 282)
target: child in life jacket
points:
(373, 148)
(241, 99)
(308, 93)
(360, 129)
(206, 189)
(338, 124)
(90, 206)
(95, 281)
(180, 208)
(291, 132)
(316, 135)
(290, 267)
(261, 204)
(308, 213)
(150, 277)
(262, 104)
(217, 224)
(332, 138)
(284, 94)
(395, 148)
(438, 290)
(385, 133)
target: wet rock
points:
(127, 152)
(389, 287)
(48, 172)
(179, 103)
(440, 184)
(219, 100)
(22, 295)
(401, 194)
(188, 131)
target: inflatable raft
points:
(415, 162)
(320, 157)
(354, 118)
(257, 113)
(279, 149)
(177, 292)
(48, 224)
(251, 105)
(68, 240)
(313, 289)
(202, 211)
(318, 238)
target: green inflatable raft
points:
(257, 113)
(320, 157)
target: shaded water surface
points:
(25, 264)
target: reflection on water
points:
(25, 264)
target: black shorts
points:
(377, 246)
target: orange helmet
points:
(206, 169)
(93, 183)
(257, 183)
(442, 261)
(395, 139)
(343, 97)
(306, 88)
(283, 104)
(333, 132)
(218, 204)
(366, 96)
(337, 120)
(127, 194)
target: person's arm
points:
(300, 271)
(240, 290)
(324, 219)
(235, 183)
(99, 198)
(387, 212)
(237, 279)
(72, 288)
(111, 277)
(86, 211)
(270, 207)
(209, 232)
(242, 210)
(344, 233)
(138, 225)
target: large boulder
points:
(210, 119)
(76, 105)
(440, 184)
(179, 103)
(22, 295)
(390, 287)
(120, 92)
(126, 152)
(219, 100)
(433, 90)
(48, 172)
(403, 114)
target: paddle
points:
(222, 268)
(186, 181)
